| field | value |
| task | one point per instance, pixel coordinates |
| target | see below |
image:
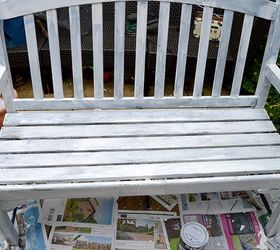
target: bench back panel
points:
(27, 8)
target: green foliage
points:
(273, 102)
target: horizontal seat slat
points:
(121, 172)
(134, 130)
(135, 103)
(137, 157)
(136, 143)
(132, 116)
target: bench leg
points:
(8, 229)
(273, 225)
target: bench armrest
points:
(273, 75)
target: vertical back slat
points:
(55, 54)
(242, 54)
(7, 89)
(119, 49)
(182, 49)
(203, 51)
(161, 48)
(76, 50)
(97, 32)
(141, 36)
(222, 53)
(32, 47)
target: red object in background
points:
(107, 76)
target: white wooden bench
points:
(115, 146)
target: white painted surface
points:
(76, 51)
(182, 50)
(119, 49)
(222, 53)
(261, 8)
(273, 75)
(133, 103)
(162, 40)
(55, 54)
(33, 56)
(97, 31)
(242, 55)
(202, 51)
(141, 37)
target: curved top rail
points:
(260, 8)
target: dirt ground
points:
(24, 87)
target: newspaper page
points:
(212, 223)
(242, 231)
(172, 229)
(31, 232)
(213, 203)
(141, 230)
(81, 238)
(168, 201)
(97, 211)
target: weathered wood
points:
(7, 229)
(133, 116)
(222, 53)
(55, 54)
(270, 56)
(119, 49)
(76, 51)
(131, 103)
(272, 226)
(97, 32)
(42, 160)
(161, 48)
(134, 130)
(6, 86)
(141, 37)
(242, 55)
(13, 8)
(126, 188)
(273, 75)
(203, 51)
(182, 49)
(138, 143)
(31, 41)
(139, 171)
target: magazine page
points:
(141, 231)
(212, 223)
(79, 238)
(242, 231)
(172, 229)
(168, 201)
(213, 203)
(151, 203)
(31, 232)
(97, 211)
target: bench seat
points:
(42, 151)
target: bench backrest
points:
(251, 8)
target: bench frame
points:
(269, 74)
